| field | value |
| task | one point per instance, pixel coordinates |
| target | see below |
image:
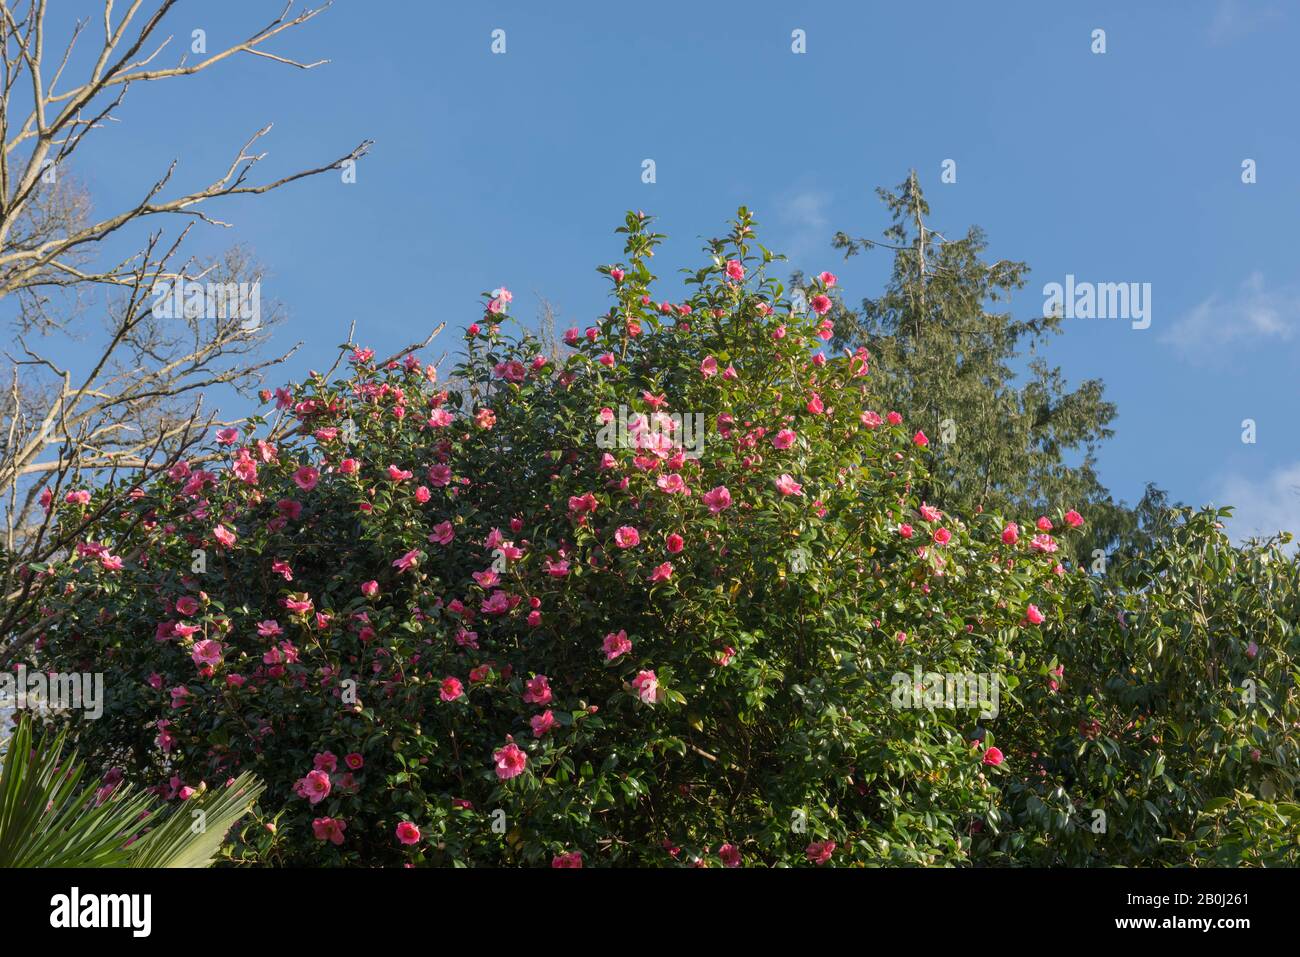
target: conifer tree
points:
(1008, 436)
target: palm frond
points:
(49, 819)
(191, 835)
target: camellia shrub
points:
(1176, 695)
(664, 597)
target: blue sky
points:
(514, 169)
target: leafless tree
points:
(130, 402)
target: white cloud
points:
(1232, 21)
(1263, 505)
(1254, 314)
(804, 218)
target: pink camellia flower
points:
(370, 589)
(870, 419)
(510, 761)
(942, 536)
(627, 537)
(671, 483)
(329, 829)
(326, 761)
(110, 562)
(354, 761)
(993, 757)
(571, 336)
(905, 530)
(512, 371)
(206, 652)
(920, 440)
(662, 572)
(617, 274)
(821, 304)
(1034, 616)
(1073, 518)
(607, 359)
(815, 404)
(541, 723)
(646, 686)
(819, 852)
(1011, 534)
(674, 543)
(306, 478)
(227, 436)
(735, 270)
(349, 466)
(1252, 650)
(315, 787)
(537, 690)
(407, 561)
(786, 485)
(451, 689)
(485, 418)
(784, 439)
(79, 497)
(930, 513)
(709, 367)
(828, 279)
(730, 855)
(398, 475)
(165, 739)
(717, 499)
(442, 533)
(1044, 524)
(1043, 543)
(224, 535)
(894, 418)
(571, 860)
(245, 470)
(408, 833)
(616, 644)
(187, 605)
